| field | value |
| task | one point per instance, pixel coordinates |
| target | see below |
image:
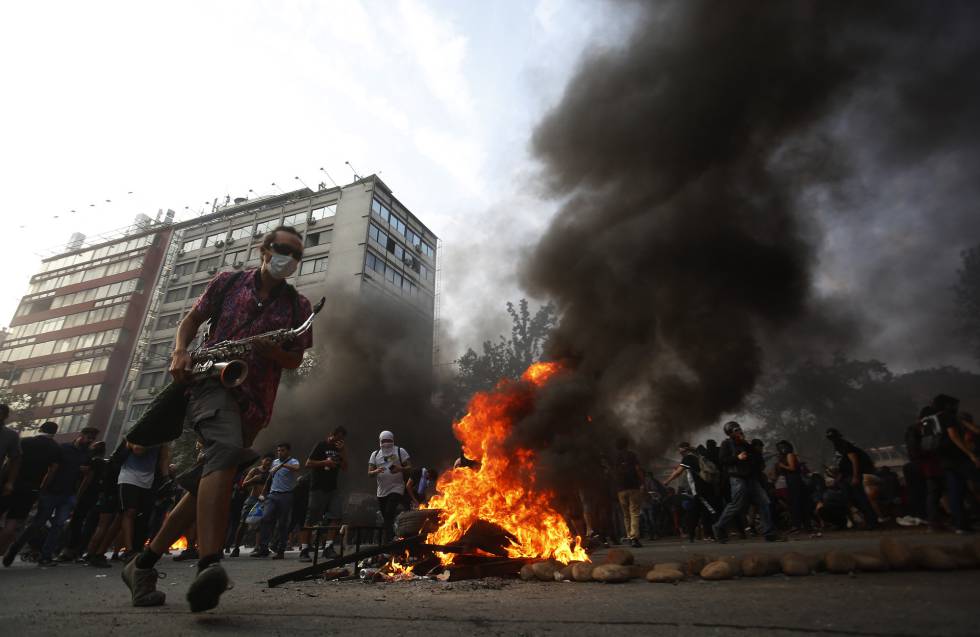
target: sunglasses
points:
(286, 250)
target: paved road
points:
(72, 599)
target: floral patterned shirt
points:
(241, 314)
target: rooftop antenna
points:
(324, 171)
(356, 176)
(301, 181)
(275, 185)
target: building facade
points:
(359, 239)
(72, 336)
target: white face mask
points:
(387, 446)
(281, 266)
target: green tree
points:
(504, 357)
(967, 291)
(22, 408)
(860, 398)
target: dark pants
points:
(746, 491)
(799, 501)
(388, 506)
(957, 478)
(696, 512)
(858, 497)
(57, 508)
(77, 540)
(276, 513)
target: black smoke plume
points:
(700, 167)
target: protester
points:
(852, 464)
(138, 470)
(744, 465)
(83, 519)
(58, 496)
(10, 461)
(389, 464)
(697, 506)
(629, 479)
(326, 461)
(277, 504)
(961, 466)
(789, 467)
(238, 305)
(254, 484)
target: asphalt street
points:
(78, 600)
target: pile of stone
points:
(890, 555)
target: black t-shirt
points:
(324, 478)
(65, 481)
(693, 465)
(625, 472)
(844, 447)
(949, 453)
(39, 452)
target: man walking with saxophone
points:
(227, 420)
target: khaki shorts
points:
(214, 414)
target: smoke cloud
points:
(735, 185)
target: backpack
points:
(709, 471)
(932, 433)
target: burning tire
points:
(416, 521)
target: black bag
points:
(163, 420)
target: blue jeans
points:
(60, 506)
(276, 514)
(746, 491)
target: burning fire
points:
(502, 489)
(396, 571)
(180, 544)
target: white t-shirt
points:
(389, 482)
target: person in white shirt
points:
(389, 464)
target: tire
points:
(416, 521)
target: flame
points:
(180, 544)
(396, 571)
(501, 489)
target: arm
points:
(284, 358)
(954, 435)
(180, 360)
(13, 468)
(253, 477)
(292, 465)
(726, 455)
(678, 470)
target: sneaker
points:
(279, 556)
(207, 587)
(142, 583)
(304, 556)
(635, 543)
(329, 553)
(261, 553)
(46, 561)
(187, 554)
(98, 561)
(65, 556)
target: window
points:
(318, 238)
(380, 210)
(150, 379)
(254, 254)
(114, 289)
(212, 239)
(231, 258)
(396, 223)
(210, 263)
(137, 410)
(294, 219)
(378, 235)
(159, 351)
(178, 294)
(198, 289)
(241, 233)
(266, 226)
(167, 321)
(324, 212)
(412, 237)
(426, 273)
(374, 263)
(193, 244)
(428, 251)
(183, 268)
(313, 265)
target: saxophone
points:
(224, 360)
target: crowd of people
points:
(740, 487)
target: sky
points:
(119, 108)
(113, 109)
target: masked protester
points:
(788, 465)
(852, 464)
(389, 464)
(744, 465)
(227, 420)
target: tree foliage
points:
(967, 291)
(505, 357)
(22, 408)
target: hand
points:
(8, 488)
(180, 365)
(261, 498)
(339, 444)
(743, 456)
(329, 464)
(266, 348)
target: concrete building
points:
(73, 335)
(359, 239)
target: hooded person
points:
(389, 464)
